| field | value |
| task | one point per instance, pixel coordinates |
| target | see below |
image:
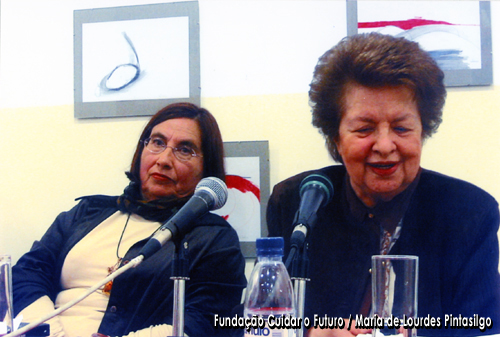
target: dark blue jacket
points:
(450, 224)
(142, 296)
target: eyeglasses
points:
(157, 145)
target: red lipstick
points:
(384, 168)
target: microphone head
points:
(216, 188)
(319, 181)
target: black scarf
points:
(160, 210)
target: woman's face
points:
(162, 174)
(380, 141)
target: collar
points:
(386, 214)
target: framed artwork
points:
(457, 34)
(134, 60)
(247, 180)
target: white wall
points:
(257, 59)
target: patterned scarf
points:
(160, 210)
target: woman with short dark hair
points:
(375, 61)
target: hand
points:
(312, 332)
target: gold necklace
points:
(107, 287)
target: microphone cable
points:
(210, 193)
(132, 264)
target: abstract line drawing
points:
(243, 207)
(134, 60)
(247, 180)
(447, 42)
(457, 34)
(243, 204)
(124, 74)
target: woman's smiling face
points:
(380, 141)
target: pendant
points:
(106, 290)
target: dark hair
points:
(211, 139)
(374, 60)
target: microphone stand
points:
(180, 271)
(299, 275)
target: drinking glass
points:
(394, 294)
(5, 295)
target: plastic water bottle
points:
(269, 298)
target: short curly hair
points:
(374, 60)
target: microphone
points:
(209, 194)
(316, 190)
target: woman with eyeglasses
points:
(179, 146)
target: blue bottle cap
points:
(270, 246)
